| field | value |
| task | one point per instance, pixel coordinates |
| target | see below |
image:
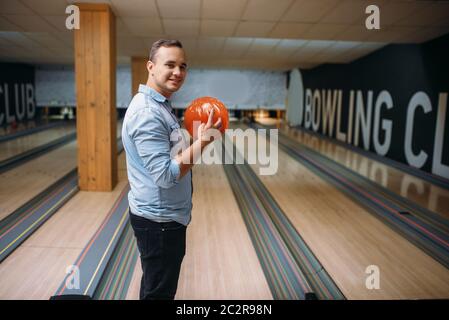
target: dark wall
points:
(17, 93)
(402, 70)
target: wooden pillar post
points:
(96, 124)
(139, 73)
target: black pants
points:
(162, 249)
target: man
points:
(160, 198)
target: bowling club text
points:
(18, 102)
(323, 112)
(256, 146)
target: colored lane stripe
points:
(10, 222)
(95, 257)
(341, 177)
(117, 276)
(289, 283)
(423, 236)
(114, 236)
(297, 246)
(349, 179)
(400, 203)
(290, 267)
(20, 224)
(24, 223)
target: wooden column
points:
(96, 124)
(139, 73)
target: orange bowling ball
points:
(199, 110)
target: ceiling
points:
(265, 34)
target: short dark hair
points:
(163, 43)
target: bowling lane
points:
(347, 239)
(19, 145)
(26, 127)
(134, 285)
(36, 269)
(20, 184)
(220, 261)
(420, 191)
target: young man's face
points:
(168, 70)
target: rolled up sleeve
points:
(152, 141)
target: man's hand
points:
(203, 132)
(204, 136)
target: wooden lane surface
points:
(36, 269)
(22, 183)
(19, 145)
(25, 126)
(220, 261)
(420, 191)
(347, 239)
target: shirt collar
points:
(152, 93)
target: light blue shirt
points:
(156, 192)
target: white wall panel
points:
(55, 86)
(237, 89)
